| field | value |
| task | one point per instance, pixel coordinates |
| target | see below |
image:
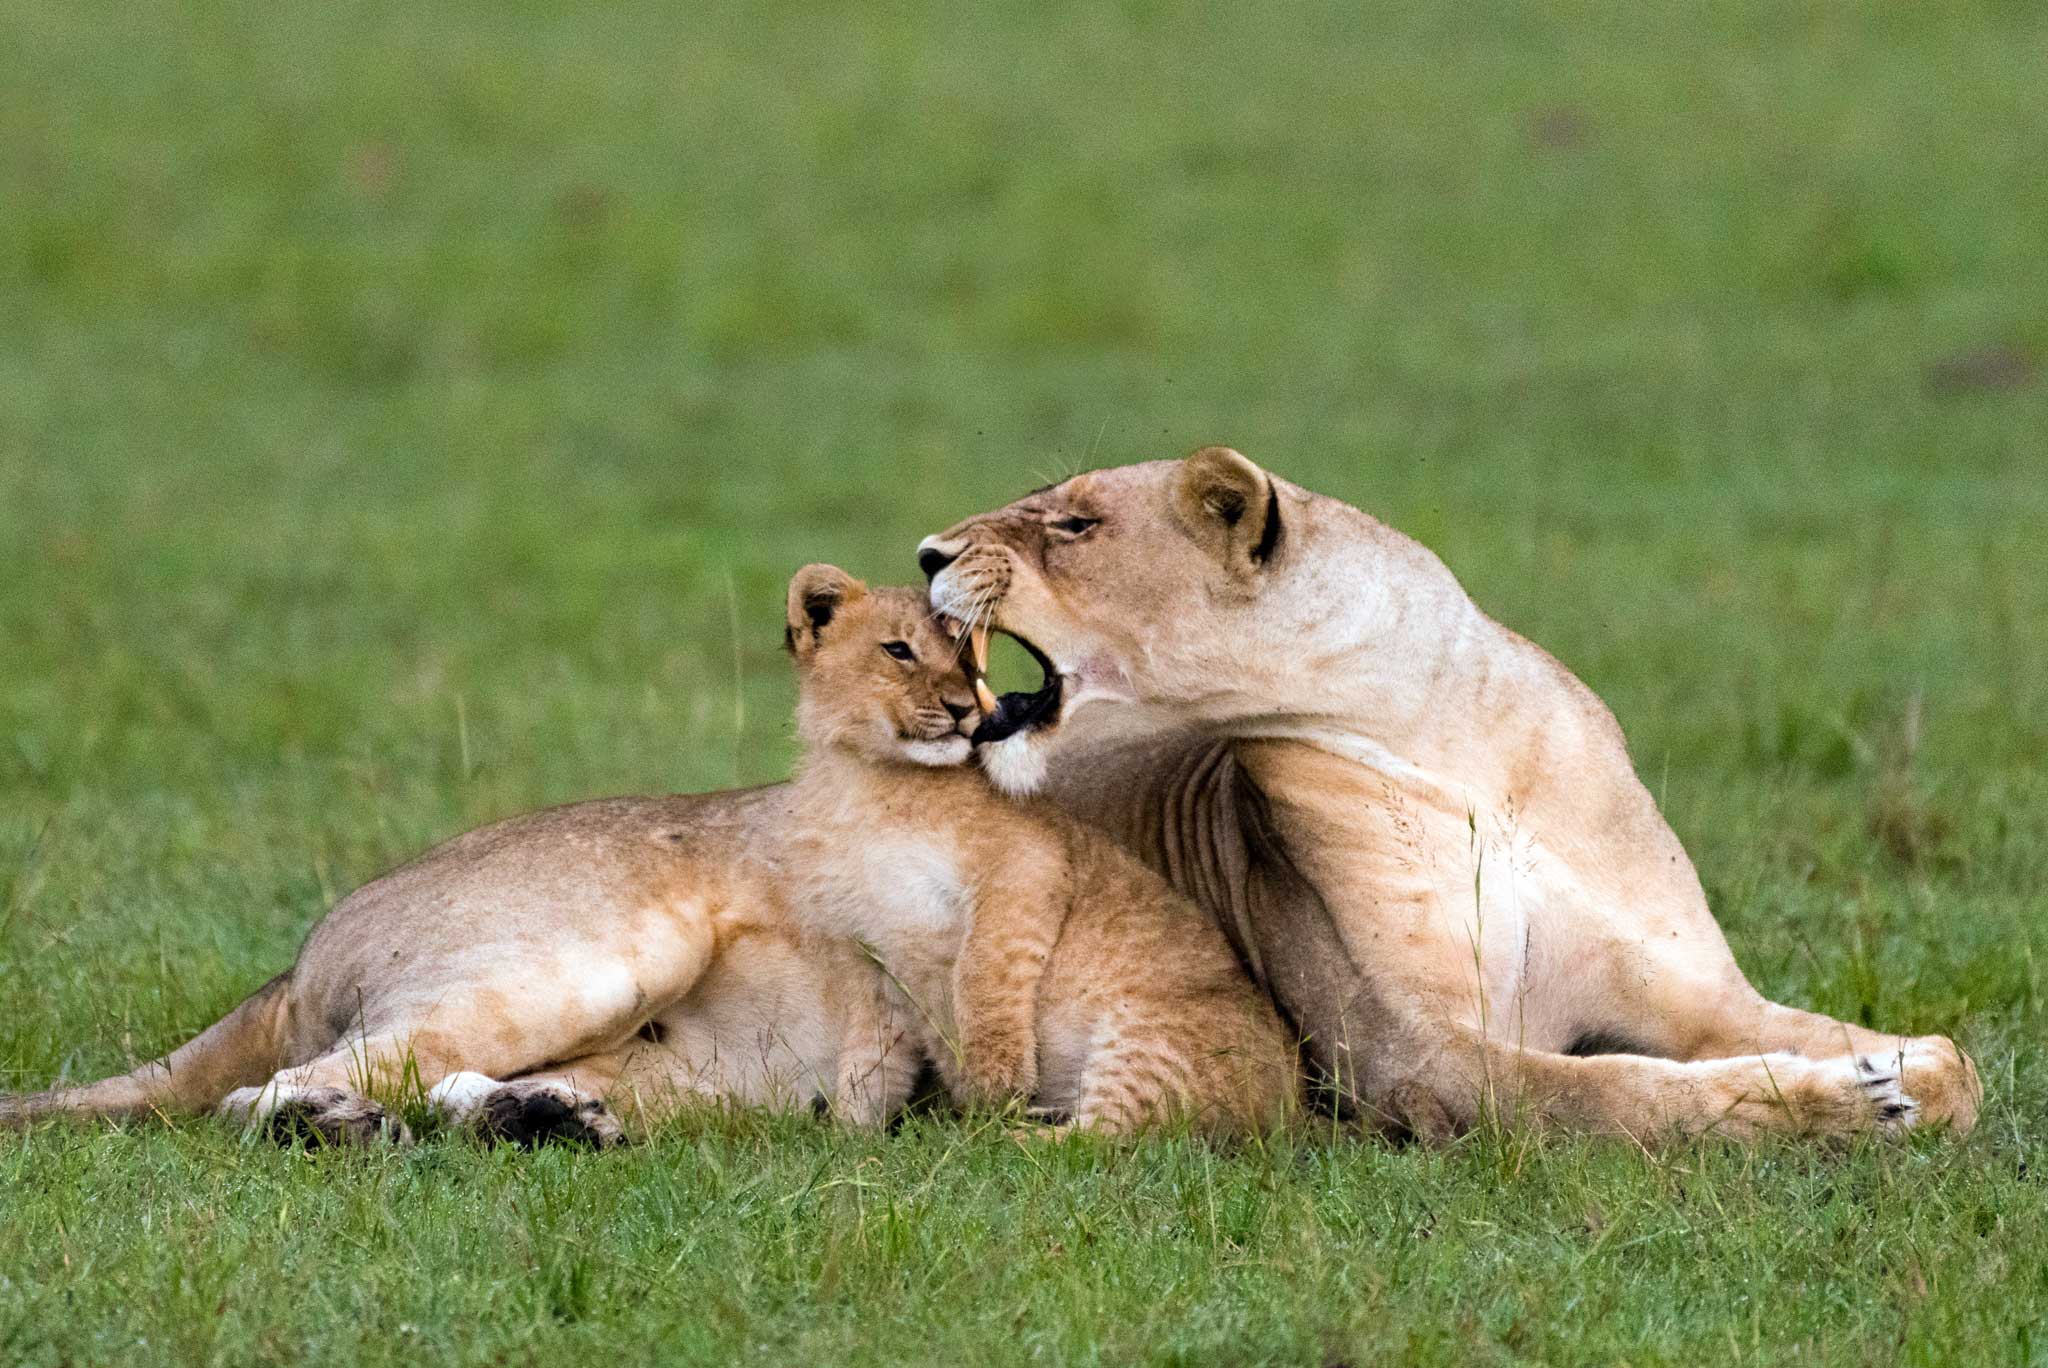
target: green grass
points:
(410, 415)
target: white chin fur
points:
(951, 750)
(1013, 764)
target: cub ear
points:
(1230, 506)
(816, 595)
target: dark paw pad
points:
(528, 1117)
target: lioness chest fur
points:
(1027, 956)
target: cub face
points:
(877, 672)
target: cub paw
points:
(1000, 1093)
(1043, 1133)
(995, 1078)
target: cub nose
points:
(932, 558)
(959, 710)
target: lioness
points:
(1422, 832)
(1030, 958)
(639, 949)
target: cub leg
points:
(1146, 1078)
(1128, 1086)
(589, 1005)
(1019, 909)
(327, 1096)
(371, 1062)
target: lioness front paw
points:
(1884, 1088)
(1943, 1079)
(1924, 1082)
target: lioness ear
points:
(816, 595)
(1229, 505)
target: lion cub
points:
(1028, 956)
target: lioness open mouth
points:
(1004, 716)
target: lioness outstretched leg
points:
(329, 1095)
(1940, 1078)
(1437, 1076)
(1650, 1099)
(326, 1098)
(1700, 1007)
(1501, 979)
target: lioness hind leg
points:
(314, 1116)
(527, 1112)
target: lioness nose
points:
(959, 710)
(932, 558)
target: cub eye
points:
(899, 649)
(1073, 526)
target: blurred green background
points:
(411, 414)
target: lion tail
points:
(243, 1048)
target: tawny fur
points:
(1422, 832)
(1034, 959)
(639, 950)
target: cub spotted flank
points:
(1028, 956)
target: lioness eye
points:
(1074, 526)
(899, 649)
